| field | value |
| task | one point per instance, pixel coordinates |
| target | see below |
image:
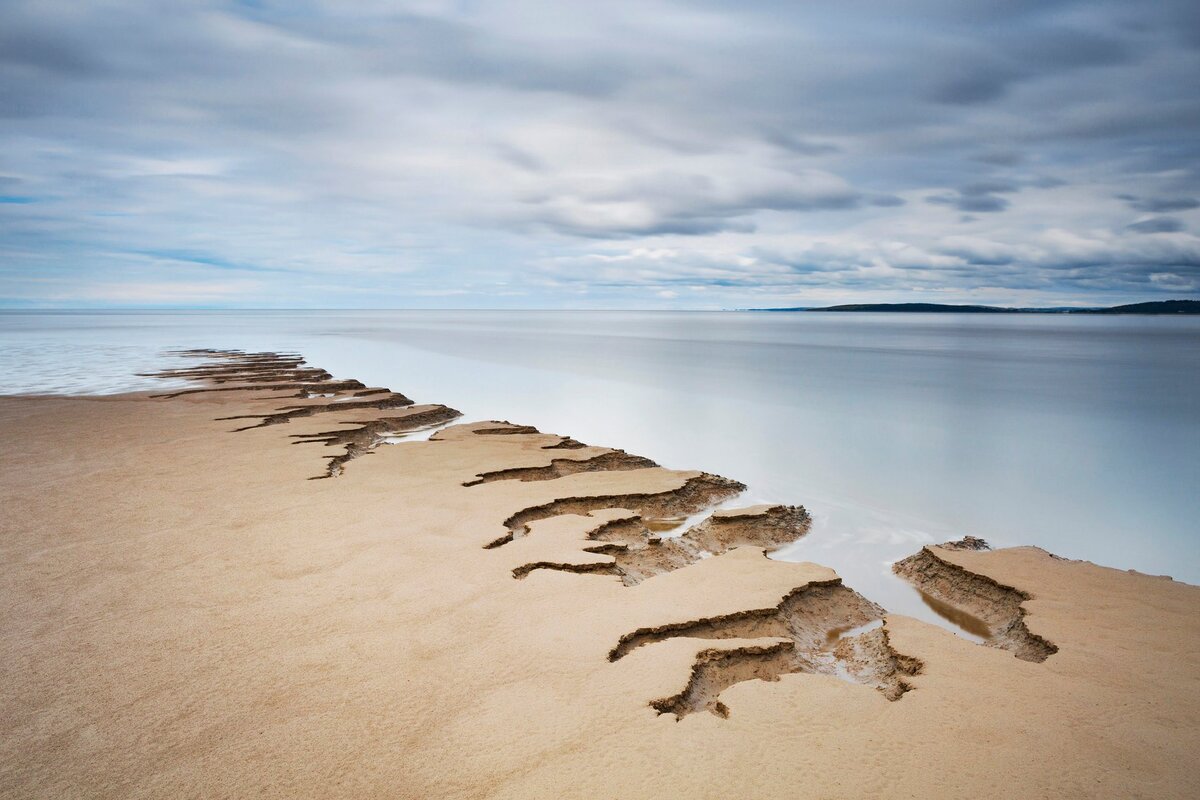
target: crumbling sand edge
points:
(628, 548)
(999, 606)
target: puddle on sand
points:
(664, 524)
(674, 527)
(832, 637)
(969, 623)
(862, 544)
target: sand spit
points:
(363, 436)
(999, 607)
(807, 625)
(558, 467)
(275, 372)
(696, 493)
(634, 553)
(186, 614)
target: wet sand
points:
(300, 609)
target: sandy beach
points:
(278, 584)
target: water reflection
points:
(968, 623)
(664, 524)
(835, 635)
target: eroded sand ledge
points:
(186, 614)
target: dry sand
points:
(187, 614)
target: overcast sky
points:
(626, 153)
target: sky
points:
(623, 154)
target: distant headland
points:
(1158, 307)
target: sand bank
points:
(293, 609)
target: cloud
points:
(957, 266)
(972, 89)
(321, 153)
(159, 293)
(980, 196)
(1007, 55)
(720, 197)
(1001, 158)
(1157, 225)
(799, 144)
(1158, 205)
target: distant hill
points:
(1157, 307)
(919, 308)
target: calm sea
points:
(1077, 434)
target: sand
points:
(495, 612)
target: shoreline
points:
(876, 445)
(166, 520)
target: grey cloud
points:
(1048, 182)
(969, 265)
(980, 87)
(799, 144)
(979, 253)
(1011, 55)
(1157, 225)
(459, 52)
(982, 203)
(980, 196)
(976, 203)
(1001, 158)
(1066, 48)
(782, 200)
(1158, 205)
(678, 225)
(34, 49)
(519, 158)
(691, 204)
(980, 188)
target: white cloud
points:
(162, 292)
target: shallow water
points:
(1077, 434)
